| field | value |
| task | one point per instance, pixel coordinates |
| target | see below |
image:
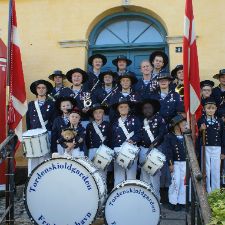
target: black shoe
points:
(171, 206)
(177, 208)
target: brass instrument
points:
(180, 90)
(87, 100)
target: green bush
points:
(217, 203)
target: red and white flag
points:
(3, 57)
(17, 102)
(192, 100)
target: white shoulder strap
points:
(147, 129)
(125, 131)
(40, 115)
(98, 131)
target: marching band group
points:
(113, 109)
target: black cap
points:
(63, 99)
(95, 107)
(209, 100)
(109, 72)
(76, 70)
(206, 83)
(121, 57)
(164, 75)
(56, 73)
(176, 120)
(122, 100)
(34, 85)
(129, 75)
(221, 72)
(174, 71)
(159, 53)
(95, 56)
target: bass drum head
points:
(61, 191)
(132, 202)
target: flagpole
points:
(8, 75)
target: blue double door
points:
(136, 55)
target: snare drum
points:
(65, 191)
(154, 161)
(103, 157)
(127, 154)
(36, 143)
(132, 202)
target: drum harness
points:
(98, 131)
(43, 123)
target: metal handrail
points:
(199, 199)
(7, 150)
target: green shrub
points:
(217, 203)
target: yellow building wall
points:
(44, 23)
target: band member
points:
(78, 91)
(75, 148)
(152, 132)
(221, 108)
(103, 94)
(178, 75)
(62, 105)
(206, 89)
(121, 63)
(159, 61)
(214, 132)
(173, 146)
(169, 99)
(97, 131)
(126, 82)
(39, 114)
(217, 91)
(125, 129)
(57, 76)
(96, 62)
(146, 85)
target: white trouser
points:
(154, 181)
(2, 187)
(177, 189)
(212, 158)
(74, 152)
(91, 155)
(121, 174)
(33, 162)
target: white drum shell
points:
(127, 154)
(62, 196)
(125, 207)
(103, 157)
(36, 143)
(154, 161)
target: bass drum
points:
(65, 192)
(132, 202)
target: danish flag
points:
(190, 62)
(17, 96)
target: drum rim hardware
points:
(137, 183)
(100, 205)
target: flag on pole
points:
(192, 100)
(17, 93)
(3, 122)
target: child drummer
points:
(152, 131)
(97, 131)
(76, 147)
(124, 129)
(213, 131)
(173, 146)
